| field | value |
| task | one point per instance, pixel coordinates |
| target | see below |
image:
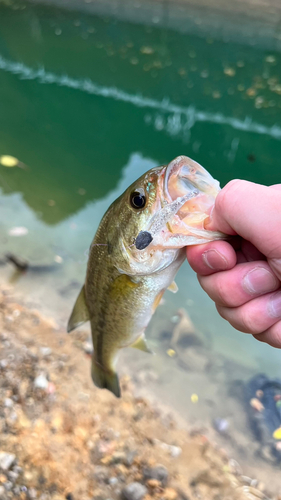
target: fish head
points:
(133, 211)
(168, 201)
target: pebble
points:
(6, 460)
(159, 472)
(153, 483)
(134, 491)
(41, 381)
(2, 492)
(221, 425)
(45, 351)
(32, 493)
(112, 481)
(88, 347)
(174, 451)
(8, 403)
(170, 494)
(13, 476)
(101, 473)
(8, 485)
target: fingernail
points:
(274, 306)
(259, 280)
(215, 260)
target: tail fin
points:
(105, 379)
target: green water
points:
(71, 138)
(88, 104)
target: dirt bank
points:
(63, 438)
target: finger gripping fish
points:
(137, 250)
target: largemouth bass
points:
(137, 250)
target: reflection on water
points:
(89, 105)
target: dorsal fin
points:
(80, 313)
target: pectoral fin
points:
(173, 287)
(80, 313)
(141, 344)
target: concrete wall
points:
(246, 21)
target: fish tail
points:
(105, 379)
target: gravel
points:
(6, 460)
(134, 491)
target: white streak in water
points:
(190, 114)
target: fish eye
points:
(137, 200)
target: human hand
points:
(243, 276)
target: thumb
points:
(252, 211)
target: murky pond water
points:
(87, 105)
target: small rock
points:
(170, 494)
(112, 481)
(41, 382)
(8, 403)
(159, 472)
(45, 351)
(134, 491)
(101, 474)
(221, 425)
(121, 457)
(8, 485)
(69, 496)
(88, 347)
(6, 460)
(153, 483)
(17, 469)
(4, 363)
(12, 476)
(2, 493)
(32, 493)
(174, 451)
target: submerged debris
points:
(18, 231)
(185, 333)
(10, 161)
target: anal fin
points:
(80, 313)
(141, 344)
(173, 287)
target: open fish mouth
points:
(187, 193)
(184, 176)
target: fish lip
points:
(193, 176)
(173, 168)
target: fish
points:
(138, 248)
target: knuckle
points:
(222, 311)
(249, 321)
(222, 293)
